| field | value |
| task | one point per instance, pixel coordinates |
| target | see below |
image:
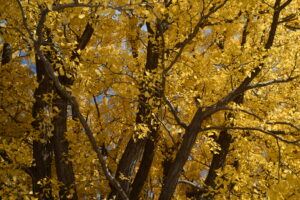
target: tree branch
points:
(201, 24)
(267, 132)
(6, 158)
(262, 120)
(174, 113)
(263, 84)
(189, 183)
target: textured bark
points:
(171, 179)
(42, 151)
(218, 161)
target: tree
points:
(150, 99)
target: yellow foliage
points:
(156, 71)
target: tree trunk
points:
(64, 168)
(42, 149)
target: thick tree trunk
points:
(144, 168)
(42, 149)
(64, 168)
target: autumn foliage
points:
(137, 99)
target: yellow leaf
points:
(81, 16)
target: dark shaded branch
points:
(201, 24)
(144, 167)
(6, 54)
(189, 183)
(267, 83)
(245, 33)
(285, 4)
(267, 132)
(6, 158)
(262, 120)
(219, 159)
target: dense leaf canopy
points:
(137, 99)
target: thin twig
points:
(262, 120)
(295, 142)
(263, 84)
(189, 183)
(279, 159)
(174, 112)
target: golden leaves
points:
(211, 65)
(81, 16)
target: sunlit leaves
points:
(110, 77)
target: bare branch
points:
(5, 157)
(189, 183)
(24, 18)
(285, 4)
(84, 5)
(174, 113)
(268, 132)
(286, 123)
(165, 127)
(279, 160)
(201, 24)
(263, 84)
(262, 120)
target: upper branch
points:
(267, 132)
(174, 113)
(263, 84)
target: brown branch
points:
(262, 120)
(263, 84)
(201, 24)
(84, 5)
(267, 132)
(6, 158)
(6, 54)
(189, 183)
(279, 160)
(284, 4)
